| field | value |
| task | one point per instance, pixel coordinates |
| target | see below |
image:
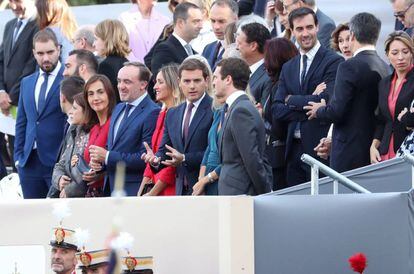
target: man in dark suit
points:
(404, 15)
(82, 63)
(355, 97)
(40, 121)
(16, 60)
(310, 76)
(186, 128)
(133, 122)
(326, 24)
(244, 169)
(222, 13)
(188, 21)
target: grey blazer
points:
(326, 27)
(76, 140)
(245, 169)
(260, 85)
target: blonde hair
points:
(204, 5)
(56, 13)
(170, 75)
(401, 36)
(115, 37)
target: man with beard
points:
(63, 253)
(82, 63)
(40, 121)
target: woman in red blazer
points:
(395, 96)
(168, 93)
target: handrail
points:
(341, 179)
(410, 159)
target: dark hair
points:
(44, 36)
(80, 100)
(85, 57)
(256, 32)
(227, 3)
(238, 69)
(144, 73)
(70, 86)
(335, 35)
(299, 13)
(365, 27)
(90, 114)
(277, 52)
(181, 11)
(194, 64)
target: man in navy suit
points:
(222, 13)
(186, 128)
(355, 98)
(133, 122)
(40, 121)
(309, 76)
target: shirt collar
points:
(312, 52)
(369, 47)
(232, 97)
(255, 66)
(53, 72)
(181, 40)
(137, 101)
(197, 103)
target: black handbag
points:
(147, 188)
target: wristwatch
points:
(210, 178)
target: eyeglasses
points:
(401, 14)
(286, 7)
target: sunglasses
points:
(401, 14)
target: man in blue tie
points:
(133, 122)
(40, 121)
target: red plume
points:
(358, 262)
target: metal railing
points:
(410, 159)
(337, 177)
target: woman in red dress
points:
(101, 99)
(168, 93)
(395, 97)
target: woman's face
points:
(400, 56)
(99, 46)
(162, 92)
(77, 114)
(283, 18)
(97, 97)
(344, 38)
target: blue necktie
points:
(42, 95)
(223, 114)
(19, 24)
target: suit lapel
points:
(314, 65)
(180, 49)
(22, 37)
(31, 92)
(114, 118)
(54, 89)
(8, 38)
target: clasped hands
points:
(313, 107)
(149, 157)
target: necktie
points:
(304, 68)
(42, 94)
(223, 114)
(16, 31)
(124, 119)
(188, 49)
(216, 53)
(187, 121)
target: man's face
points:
(129, 85)
(305, 32)
(400, 12)
(409, 16)
(19, 7)
(220, 17)
(63, 260)
(194, 23)
(219, 84)
(71, 66)
(289, 5)
(47, 55)
(245, 48)
(193, 84)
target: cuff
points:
(106, 158)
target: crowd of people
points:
(217, 102)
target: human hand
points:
(259, 108)
(374, 155)
(176, 157)
(149, 156)
(319, 89)
(63, 181)
(198, 188)
(89, 176)
(98, 154)
(323, 149)
(402, 113)
(313, 107)
(62, 194)
(5, 101)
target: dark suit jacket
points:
(16, 63)
(386, 125)
(322, 69)
(209, 52)
(110, 67)
(46, 128)
(352, 109)
(127, 146)
(194, 146)
(260, 85)
(326, 27)
(244, 168)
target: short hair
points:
(401, 36)
(335, 35)
(365, 27)
(256, 32)
(278, 52)
(70, 86)
(170, 75)
(194, 64)
(299, 13)
(44, 36)
(227, 3)
(238, 69)
(181, 11)
(85, 57)
(90, 114)
(86, 32)
(310, 3)
(144, 73)
(115, 37)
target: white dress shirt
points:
(41, 79)
(233, 97)
(255, 66)
(370, 47)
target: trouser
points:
(297, 171)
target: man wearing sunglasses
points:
(404, 14)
